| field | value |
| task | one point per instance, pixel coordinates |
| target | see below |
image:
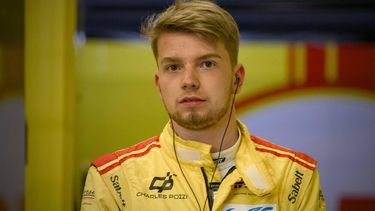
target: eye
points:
(172, 68)
(207, 64)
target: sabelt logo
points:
(250, 207)
(162, 183)
(117, 187)
(292, 197)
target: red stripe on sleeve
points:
(274, 146)
(128, 157)
(104, 159)
(112, 156)
(139, 146)
(286, 156)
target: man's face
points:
(195, 79)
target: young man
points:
(204, 159)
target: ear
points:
(239, 77)
(157, 84)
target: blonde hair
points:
(201, 18)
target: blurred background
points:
(77, 81)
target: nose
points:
(190, 80)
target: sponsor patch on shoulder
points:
(88, 194)
(250, 207)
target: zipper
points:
(229, 172)
(209, 187)
(209, 192)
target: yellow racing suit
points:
(148, 176)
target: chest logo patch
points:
(162, 183)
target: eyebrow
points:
(169, 60)
(175, 59)
(211, 55)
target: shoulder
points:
(110, 161)
(284, 155)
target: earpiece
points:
(237, 79)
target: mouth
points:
(191, 100)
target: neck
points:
(212, 135)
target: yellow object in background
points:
(49, 85)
